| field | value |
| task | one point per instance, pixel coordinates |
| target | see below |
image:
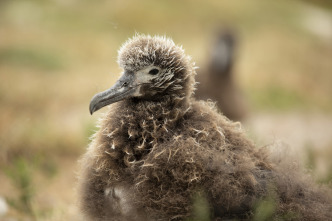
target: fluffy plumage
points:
(158, 148)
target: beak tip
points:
(92, 109)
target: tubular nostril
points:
(124, 84)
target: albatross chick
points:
(157, 148)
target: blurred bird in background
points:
(216, 78)
(280, 57)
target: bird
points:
(216, 78)
(158, 147)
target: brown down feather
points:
(150, 157)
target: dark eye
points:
(154, 71)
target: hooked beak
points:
(124, 88)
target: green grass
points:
(275, 97)
(54, 55)
(31, 58)
(23, 174)
(20, 173)
(265, 209)
(201, 210)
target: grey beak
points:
(124, 88)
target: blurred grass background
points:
(56, 54)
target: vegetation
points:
(54, 55)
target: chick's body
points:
(164, 161)
(158, 148)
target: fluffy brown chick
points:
(157, 148)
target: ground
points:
(55, 55)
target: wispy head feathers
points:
(145, 50)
